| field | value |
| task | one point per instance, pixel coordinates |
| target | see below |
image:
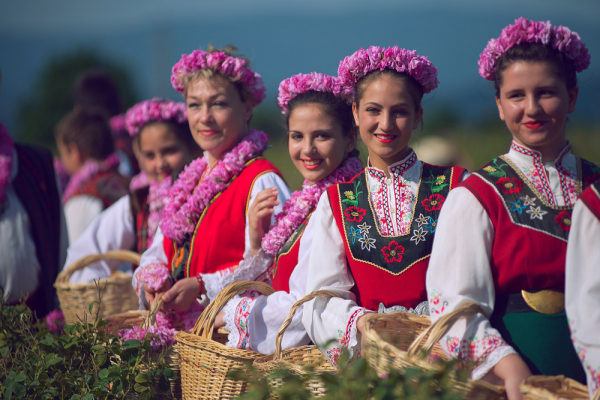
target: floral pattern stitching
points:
(510, 185)
(473, 349)
(418, 235)
(354, 214)
(393, 252)
(563, 219)
(433, 202)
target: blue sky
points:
(282, 38)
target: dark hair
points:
(415, 89)
(536, 52)
(182, 131)
(95, 88)
(332, 105)
(89, 130)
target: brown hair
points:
(415, 89)
(89, 130)
(95, 88)
(182, 131)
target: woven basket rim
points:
(62, 280)
(117, 278)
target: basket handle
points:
(206, 322)
(155, 306)
(441, 326)
(120, 255)
(286, 323)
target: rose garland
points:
(359, 64)
(188, 199)
(6, 160)
(303, 202)
(297, 84)
(524, 30)
(87, 172)
(154, 110)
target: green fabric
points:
(543, 341)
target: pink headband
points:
(154, 110)
(223, 64)
(297, 84)
(524, 30)
(359, 64)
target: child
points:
(321, 141)
(86, 150)
(164, 144)
(373, 234)
(503, 234)
(204, 228)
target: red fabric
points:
(522, 258)
(219, 239)
(375, 285)
(591, 199)
(284, 266)
(108, 186)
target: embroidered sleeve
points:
(459, 271)
(582, 291)
(236, 315)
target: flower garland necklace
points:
(87, 172)
(188, 199)
(6, 161)
(296, 209)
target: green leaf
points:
(169, 373)
(88, 396)
(4, 351)
(98, 347)
(498, 173)
(102, 323)
(75, 397)
(139, 388)
(55, 361)
(164, 384)
(141, 378)
(132, 343)
(439, 188)
(20, 378)
(12, 375)
(103, 374)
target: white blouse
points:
(459, 269)
(582, 290)
(80, 212)
(333, 320)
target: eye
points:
(401, 112)
(323, 135)
(193, 105)
(372, 110)
(149, 156)
(220, 103)
(515, 96)
(295, 136)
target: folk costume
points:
(582, 285)
(372, 242)
(33, 235)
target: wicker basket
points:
(204, 362)
(553, 388)
(296, 358)
(117, 294)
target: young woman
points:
(503, 234)
(204, 228)
(582, 282)
(373, 234)
(164, 144)
(321, 141)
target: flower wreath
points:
(359, 64)
(154, 110)
(524, 30)
(298, 84)
(117, 126)
(223, 64)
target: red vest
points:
(108, 186)
(591, 198)
(287, 259)
(530, 235)
(218, 242)
(389, 269)
(140, 210)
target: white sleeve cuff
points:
(491, 360)
(236, 315)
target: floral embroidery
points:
(432, 225)
(473, 349)
(364, 228)
(355, 214)
(563, 219)
(354, 234)
(528, 201)
(433, 202)
(351, 198)
(536, 212)
(422, 220)
(497, 170)
(418, 235)
(334, 355)
(435, 299)
(437, 183)
(393, 252)
(367, 243)
(510, 185)
(242, 312)
(517, 206)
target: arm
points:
(330, 319)
(155, 254)
(582, 291)
(111, 230)
(80, 211)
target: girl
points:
(321, 141)
(373, 234)
(582, 283)
(204, 228)
(503, 234)
(164, 144)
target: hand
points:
(149, 292)
(510, 371)
(181, 296)
(259, 217)
(220, 321)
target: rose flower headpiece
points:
(154, 110)
(117, 126)
(524, 30)
(298, 84)
(359, 64)
(223, 64)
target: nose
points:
(532, 105)
(308, 146)
(205, 115)
(385, 121)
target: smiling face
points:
(161, 152)
(317, 144)
(386, 117)
(217, 116)
(534, 102)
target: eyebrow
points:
(395, 105)
(210, 98)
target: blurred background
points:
(44, 45)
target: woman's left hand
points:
(220, 320)
(181, 296)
